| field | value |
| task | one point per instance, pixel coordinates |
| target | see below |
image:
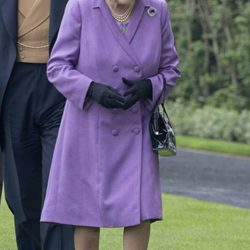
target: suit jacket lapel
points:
(9, 14)
(56, 13)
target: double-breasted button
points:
(134, 109)
(115, 111)
(136, 69)
(115, 132)
(115, 68)
(136, 131)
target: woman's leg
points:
(87, 238)
(137, 237)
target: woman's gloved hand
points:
(138, 90)
(105, 95)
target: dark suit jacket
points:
(8, 39)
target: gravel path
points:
(207, 176)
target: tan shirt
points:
(33, 31)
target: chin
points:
(124, 1)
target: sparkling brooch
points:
(152, 11)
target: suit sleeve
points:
(168, 63)
(61, 70)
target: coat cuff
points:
(158, 93)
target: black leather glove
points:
(138, 90)
(105, 95)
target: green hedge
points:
(210, 122)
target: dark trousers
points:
(31, 115)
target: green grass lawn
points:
(188, 224)
(212, 145)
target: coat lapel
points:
(135, 19)
(56, 13)
(123, 39)
(9, 14)
(37, 14)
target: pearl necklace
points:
(122, 17)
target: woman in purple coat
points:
(109, 61)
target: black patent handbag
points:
(162, 133)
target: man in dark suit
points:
(30, 110)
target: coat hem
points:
(125, 223)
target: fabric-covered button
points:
(136, 131)
(115, 68)
(134, 109)
(115, 132)
(136, 69)
(115, 111)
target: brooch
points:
(152, 11)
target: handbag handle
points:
(165, 112)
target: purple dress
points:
(104, 172)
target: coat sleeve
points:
(168, 63)
(61, 70)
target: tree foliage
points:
(213, 41)
(210, 122)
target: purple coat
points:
(104, 172)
